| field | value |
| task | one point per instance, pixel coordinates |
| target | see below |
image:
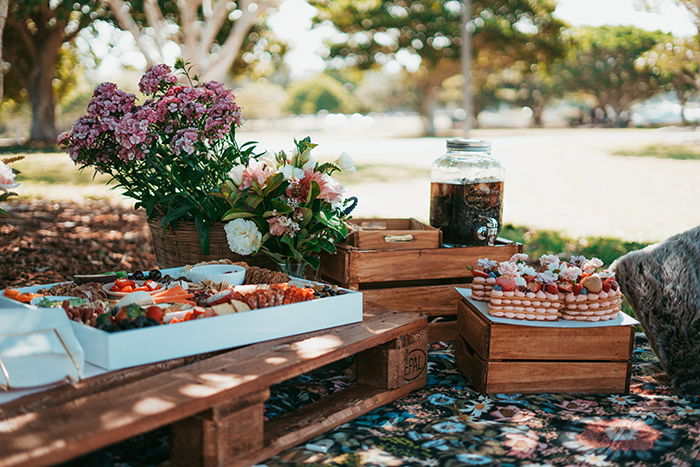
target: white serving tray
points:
(123, 349)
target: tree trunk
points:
(4, 4)
(683, 101)
(536, 120)
(40, 89)
(427, 107)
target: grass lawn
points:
(678, 151)
(55, 168)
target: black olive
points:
(155, 274)
(139, 276)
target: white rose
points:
(345, 163)
(289, 172)
(7, 177)
(243, 236)
(236, 174)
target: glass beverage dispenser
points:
(466, 194)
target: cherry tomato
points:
(121, 283)
(155, 313)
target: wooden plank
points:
(218, 436)
(474, 328)
(608, 343)
(472, 367)
(292, 429)
(435, 263)
(558, 377)
(494, 341)
(88, 423)
(395, 363)
(442, 331)
(432, 300)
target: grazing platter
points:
(133, 319)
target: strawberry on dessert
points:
(594, 294)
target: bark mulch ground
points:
(44, 242)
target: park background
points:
(591, 106)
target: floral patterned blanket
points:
(448, 423)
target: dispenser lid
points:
(472, 145)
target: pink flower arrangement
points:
(169, 152)
(298, 206)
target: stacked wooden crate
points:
(402, 266)
(509, 358)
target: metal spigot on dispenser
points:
(466, 194)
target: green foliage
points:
(378, 31)
(320, 93)
(602, 62)
(678, 152)
(677, 62)
(261, 99)
(540, 242)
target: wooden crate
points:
(506, 358)
(416, 280)
(393, 234)
(215, 403)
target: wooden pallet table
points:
(508, 358)
(414, 280)
(215, 403)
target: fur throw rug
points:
(662, 283)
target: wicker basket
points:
(181, 246)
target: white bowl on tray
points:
(228, 273)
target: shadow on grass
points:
(21, 149)
(678, 152)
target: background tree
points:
(319, 93)
(210, 33)
(530, 85)
(678, 64)
(34, 34)
(602, 63)
(4, 5)
(378, 31)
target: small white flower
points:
(520, 282)
(289, 172)
(526, 270)
(7, 177)
(345, 162)
(519, 257)
(236, 174)
(243, 236)
(591, 265)
(487, 263)
(571, 273)
(556, 267)
(546, 277)
(546, 260)
(605, 274)
(268, 159)
(506, 268)
(310, 164)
